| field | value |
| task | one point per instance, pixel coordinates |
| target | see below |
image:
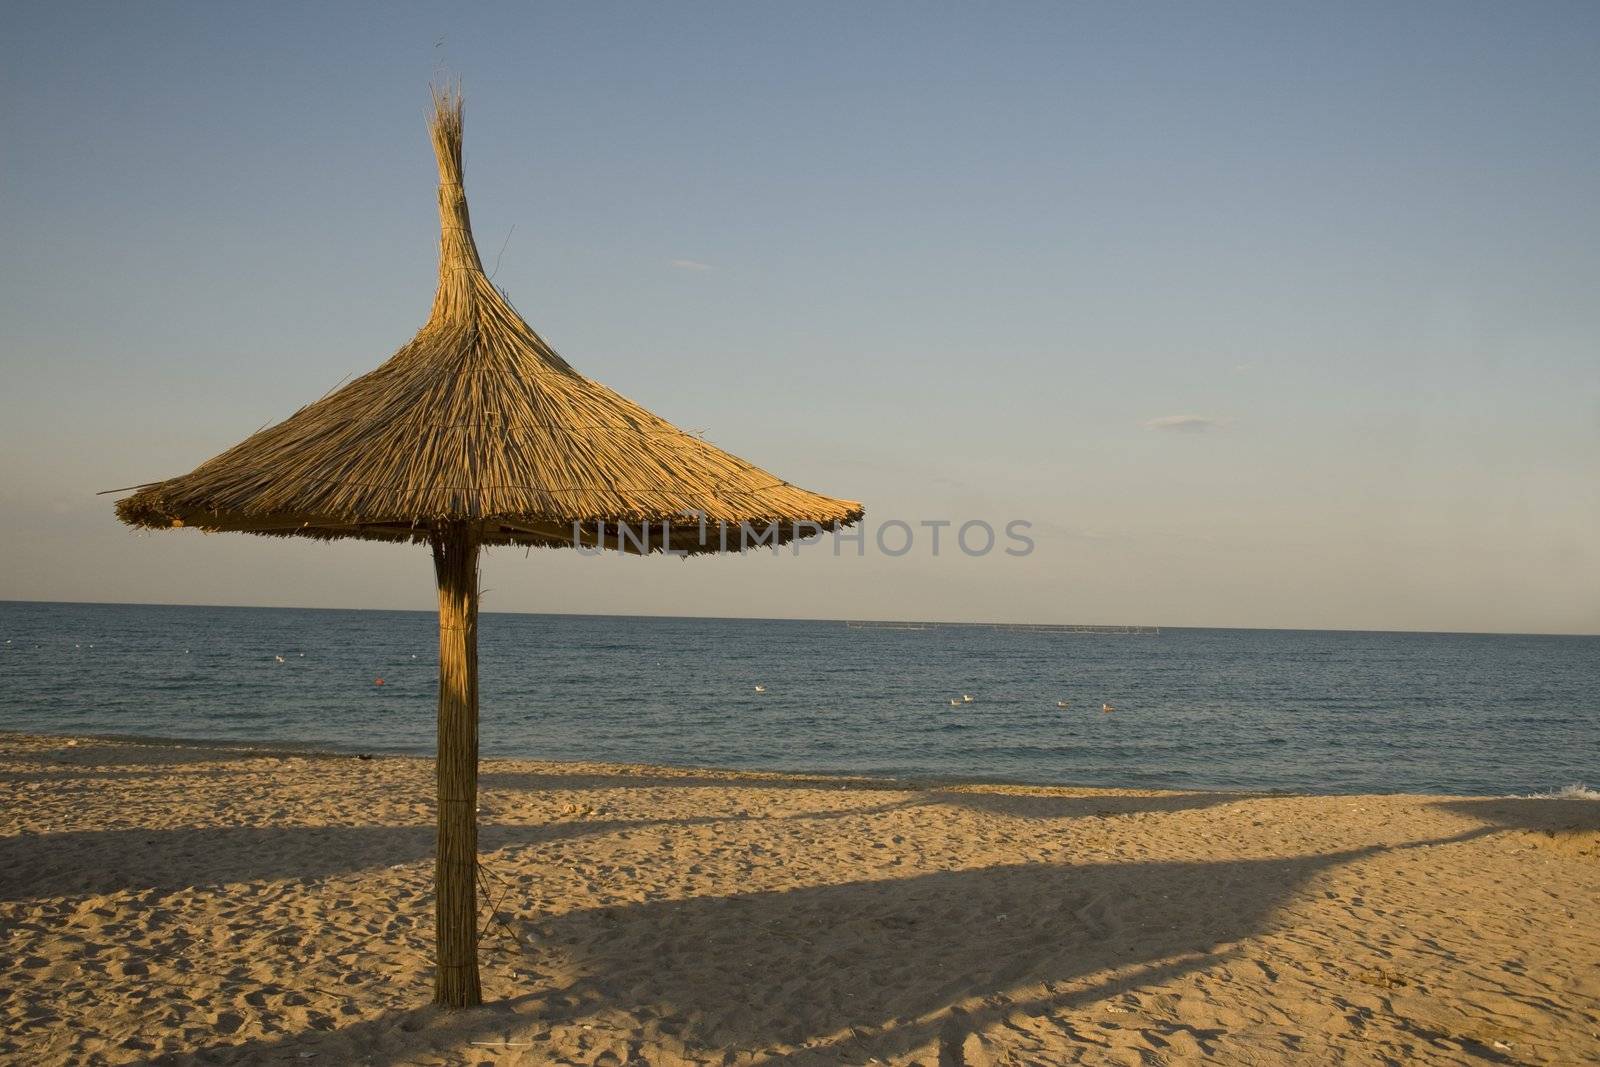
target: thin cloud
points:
(689, 264)
(1078, 533)
(1186, 423)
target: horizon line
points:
(836, 619)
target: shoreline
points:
(850, 779)
(917, 782)
(177, 904)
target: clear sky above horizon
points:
(1262, 315)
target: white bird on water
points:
(954, 703)
(761, 689)
(278, 658)
(966, 698)
(1063, 703)
(1108, 708)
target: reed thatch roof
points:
(477, 419)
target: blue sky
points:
(1265, 315)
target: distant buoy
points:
(377, 681)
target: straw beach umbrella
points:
(476, 433)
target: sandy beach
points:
(168, 903)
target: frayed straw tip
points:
(447, 101)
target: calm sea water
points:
(1256, 709)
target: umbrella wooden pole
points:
(455, 562)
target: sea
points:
(1276, 710)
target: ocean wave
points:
(1575, 791)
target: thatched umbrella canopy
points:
(477, 433)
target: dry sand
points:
(178, 904)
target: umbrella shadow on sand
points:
(1034, 805)
(626, 778)
(1569, 825)
(1538, 814)
(109, 861)
(1028, 802)
(839, 973)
